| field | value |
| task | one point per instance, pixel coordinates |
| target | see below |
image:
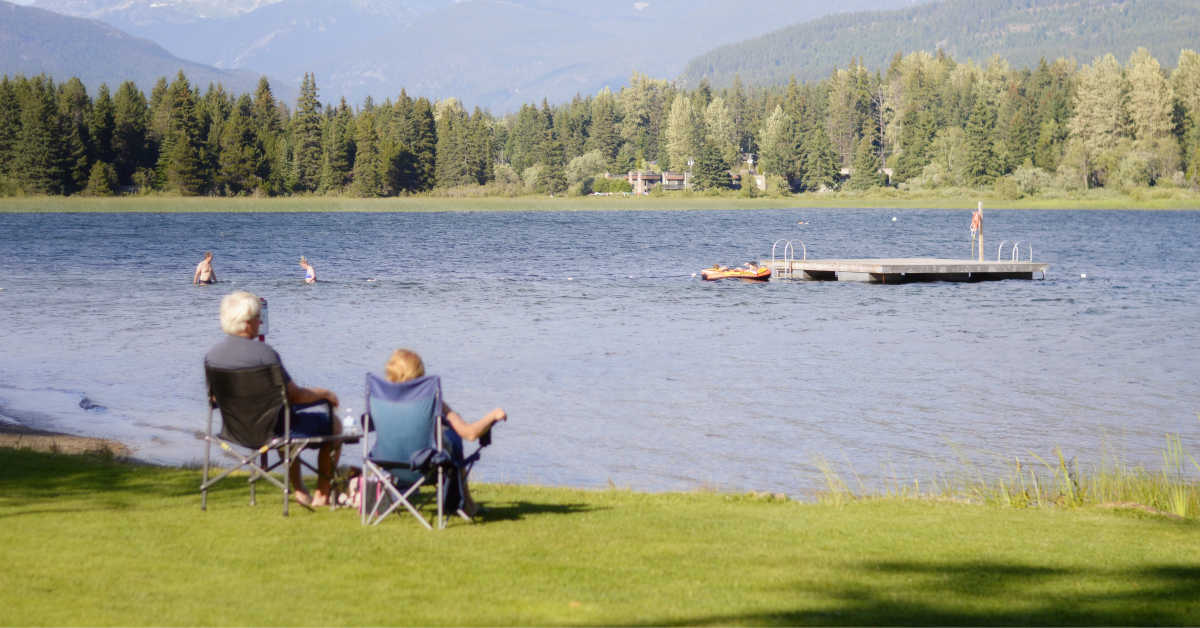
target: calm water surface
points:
(615, 363)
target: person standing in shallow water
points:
(310, 274)
(204, 271)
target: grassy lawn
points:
(88, 540)
(884, 198)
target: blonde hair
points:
(237, 310)
(403, 366)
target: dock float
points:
(902, 270)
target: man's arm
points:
(299, 394)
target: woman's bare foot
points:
(319, 499)
(303, 498)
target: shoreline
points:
(17, 436)
(958, 199)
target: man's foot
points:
(319, 499)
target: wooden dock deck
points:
(902, 270)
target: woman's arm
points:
(472, 431)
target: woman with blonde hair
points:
(405, 365)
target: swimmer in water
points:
(310, 275)
(204, 271)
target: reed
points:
(1054, 481)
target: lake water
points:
(614, 361)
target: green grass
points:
(89, 540)
(883, 198)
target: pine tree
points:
(866, 166)
(1186, 83)
(101, 126)
(241, 152)
(820, 167)
(982, 164)
(683, 133)
(710, 172)
(338, 162)
(306, 136)
(179, 163)
(10, 125)
(74, 108)
(38, 163)
(604, 136)
(368, 177)
(130, 118)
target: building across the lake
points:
(643, 180)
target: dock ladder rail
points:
(1015, 251)
(785, 267)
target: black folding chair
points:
(252, 403)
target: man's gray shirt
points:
(236, 352)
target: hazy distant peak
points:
(198, 9)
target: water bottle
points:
(349, 425)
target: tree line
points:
(926, 122)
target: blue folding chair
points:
(407, 450)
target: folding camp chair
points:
(408, 447)
(252, 402)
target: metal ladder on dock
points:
(786, 267)
(1015, 252)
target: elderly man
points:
(240, 319)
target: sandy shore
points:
(21, 437)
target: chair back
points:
(251, 402)
(405, 417)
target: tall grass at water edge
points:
(1055, 482)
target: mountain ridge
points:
(36, 41)
(1020, 31)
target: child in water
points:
(310, 274)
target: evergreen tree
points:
(101, 126)
(38, 162)
(866, 166)
(268, 124)
(604, 136)
(74, 108)
(306, 136)
(242, 157)
(982, 164)
(102, 180)
(10, 125)
(180, 167)
(423, 146)
(131, 115)
(710, 172)
(338, 161)
(368, 177)
(820, 166)
(1186, 83)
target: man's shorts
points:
(308, 421)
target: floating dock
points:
(902, 270)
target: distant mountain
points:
(1021, 31)
(34, 41)
(498, 54)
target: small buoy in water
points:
(1083, 275)
(893, 219)
(693, 276)
(631, 276)
(570, 279)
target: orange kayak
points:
(762, 273)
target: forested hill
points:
(35, 41)
(1021, 31)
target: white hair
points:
(237, 310)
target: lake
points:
(616, 364)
